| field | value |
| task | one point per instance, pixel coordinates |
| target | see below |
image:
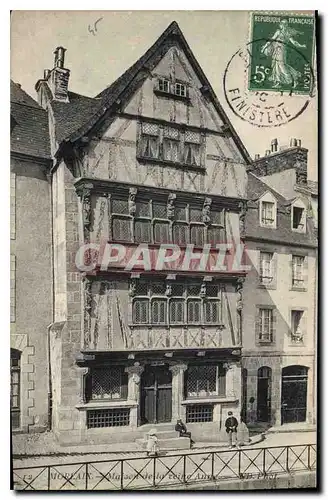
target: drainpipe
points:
(49, 381)
(49, 426)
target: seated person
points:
(182, 430)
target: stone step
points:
(177, 443)
(165, 434)
(169, 426)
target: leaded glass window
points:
(205, 381)
(107, 383)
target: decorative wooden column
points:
(229, 380)
(83, 372)
(134, 373)
(233, 380)
(177, 390)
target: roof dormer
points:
(268, 210)
(298, 216)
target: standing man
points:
(231, 425)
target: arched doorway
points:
(294, 394)
(264, 394)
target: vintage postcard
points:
(164, 245)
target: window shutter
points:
(176, 311)
(161, 232)
(258, 325)
(274, 270)
(305, 271)
(142, 231)
(121, 229)
(158, 314)
(140, 311)
(273, 325)
(197, 235)
(180, 234)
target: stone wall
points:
(31, 245)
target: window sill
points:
(171, 95)
(268, 226)
(211, 399)
(270, 286)
(182, 325)
(265, 342)
(298, 289)
(168, 163)
(106, 405)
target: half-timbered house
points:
(151, 160)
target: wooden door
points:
(156, 394)
(264, 394)
(293, 394)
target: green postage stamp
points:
(281, 52)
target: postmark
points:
(267, 91)
(275, 64)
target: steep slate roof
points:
(87, 111)
(29, 125)
(71, 116)
(283, 233)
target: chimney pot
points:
(257, 156)
(59, 57)
(293, 143)
(267, 152)
(299, 143)
(46, 74)
(274, 145)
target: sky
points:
(97, 59)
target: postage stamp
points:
(271, 80)
(283, 54)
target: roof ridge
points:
(112, 93)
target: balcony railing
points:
(165, 471)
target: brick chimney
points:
(54, 80)
(283, 169)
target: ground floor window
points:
(205, 380)
(15, 363)
(107, 383)
(199, 413)
(108, 418)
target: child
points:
(152, 443)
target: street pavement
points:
(108, 471)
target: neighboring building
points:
(151, 159)
(31, 262)
(280, 293)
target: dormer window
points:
(268, 211)
(180, 89)
(298, 213)
(176, 90)
(164, 85)
(298, 218)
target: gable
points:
(170, 53)
(268, 197)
